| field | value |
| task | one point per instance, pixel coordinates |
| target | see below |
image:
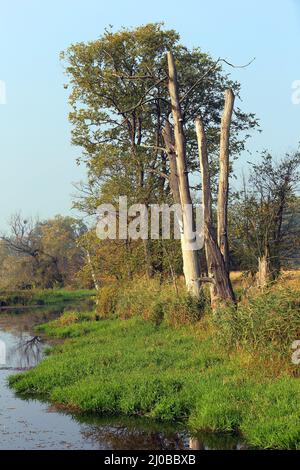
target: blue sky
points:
(37, 162)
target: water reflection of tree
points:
(27, 349)
(215, 441)
(122, 438)
(27, 352)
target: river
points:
(27, 423)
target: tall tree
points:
(220, 286)
(191, 260)
(223, 191)
(120, 105)
(263, 213)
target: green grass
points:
(134, 367)
(42, 296)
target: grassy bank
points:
(42, 296)
(186, 373)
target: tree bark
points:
(222, 211)
(173, 178)
(94, 277)
(264, 272)
(170, 148)
(220, 288)
(190, 256)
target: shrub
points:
(138, 298)
(68, 319)
(107, 300)
(184, 308)
(269, 321)
(150, 300)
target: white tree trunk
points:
(222, 211)
(88, 256)
(264, 272)
(191, 256)
(173, 179)
(220, 288)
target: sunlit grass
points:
(135, 367)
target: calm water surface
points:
(35, 424)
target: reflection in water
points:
(140, 434)
(218, 441)
(195, 444)
(133, 434)
(27, 353)
(24, 349)
(34, 424)
(119, 437)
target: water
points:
(27, 423)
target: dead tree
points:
(191, 262)
(170, 149)
(220, 285)
(173, 177)
(264, 275)
(222, 212)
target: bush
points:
(138, 298)
(107, 300)
(183, 308)
(150, 300)
(68, 318)
(269, 321)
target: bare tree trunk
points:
(173, 178)
(170, 148)
(190, 256)
(264, 272)
(88, 257)
(222, 211)
(220, 289)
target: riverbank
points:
(34, 424)
(183, 373)
(33, 297)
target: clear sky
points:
(37, 162)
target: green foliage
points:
(120, 102)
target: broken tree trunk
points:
(189, 253)
(220, 288)
(264, 272)
(173, 178)
(222, 211)
(170, 148)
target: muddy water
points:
(34, 424)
